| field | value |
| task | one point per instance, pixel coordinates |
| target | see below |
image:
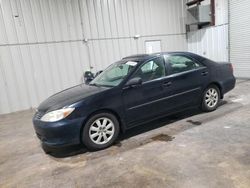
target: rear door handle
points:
(167, 84)
(205, 73)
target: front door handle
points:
(167, 84)
(205, 73)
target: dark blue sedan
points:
(130, 92)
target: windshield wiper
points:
(94, 84)
(100, 85)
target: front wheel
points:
(100, 131)
(211, 98)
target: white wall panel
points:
(118, 18)
(46, 45)
(212, 42)
(123, 48)
(221, 12)
(240, 37)
(31, 73)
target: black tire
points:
(47, 149)
(204, 105)
(88, 142)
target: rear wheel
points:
(100, 131)
(211, 98)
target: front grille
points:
(39, 115)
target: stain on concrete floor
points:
(162, 137)
(194, 122)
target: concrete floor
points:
(192, 150)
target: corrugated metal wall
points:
(239, 29)
(110, 26)
(43, 46)
(212, 42)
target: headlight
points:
(57, 114)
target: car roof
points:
(145, 57)
(139, 57)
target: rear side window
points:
(178, 64)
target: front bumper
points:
(58, 134)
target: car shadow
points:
(155, 124)
(66, 151)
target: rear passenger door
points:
(187, 78)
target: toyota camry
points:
(130, 92)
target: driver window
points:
(151, 70)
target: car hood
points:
(69, 96)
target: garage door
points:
(239, 32)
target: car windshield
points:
(114, 74)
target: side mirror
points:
(137, 81)
(88, 77)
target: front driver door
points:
(144, 101)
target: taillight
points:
(231, 66)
